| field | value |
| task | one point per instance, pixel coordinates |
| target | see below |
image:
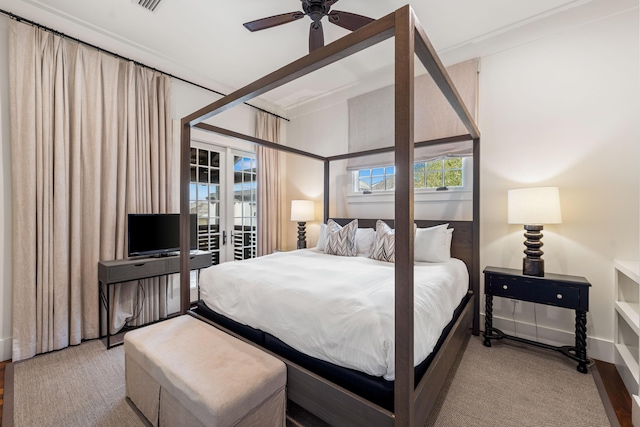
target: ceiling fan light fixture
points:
(148, 4)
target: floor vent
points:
(148, 4)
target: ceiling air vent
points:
(148, 4)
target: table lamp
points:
(534, 207)
(302, 211)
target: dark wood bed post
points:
(185, 148)
(327, 170)
(404, 327)
(475, 272)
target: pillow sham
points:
(322, 238)
(449, 239)
(384, 244)
(364, 240)
(433, 244)
(341, 240)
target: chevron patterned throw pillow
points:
(341, 240)
(384, 245)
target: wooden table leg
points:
(488, 319)
(581, 340)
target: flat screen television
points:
(158, 234)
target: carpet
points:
(512, 384)
(505, 385)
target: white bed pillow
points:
(341, 240)
(433, 244)
(364, 240)
(322, 238)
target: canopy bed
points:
(413, 394)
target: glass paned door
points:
(244, 207)
(205, 193)
(223, 194)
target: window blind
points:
(371, 118)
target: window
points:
(377, 179)
(443, 173)
(431, 175)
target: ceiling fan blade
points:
(316, 36)
(330, 3)
(350, 21)
(273, 21)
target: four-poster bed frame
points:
(411, 403)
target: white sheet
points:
(338, 309)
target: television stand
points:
(127, 270)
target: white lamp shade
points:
(534, 206)
(302, 210)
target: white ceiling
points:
(206, 40)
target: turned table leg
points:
(581, 340)
(488, 319)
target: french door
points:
(222, 192)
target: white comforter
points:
(338, 309)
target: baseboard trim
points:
(6, 349)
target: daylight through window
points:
(435, 174)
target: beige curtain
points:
(90, 141)
(269, 190)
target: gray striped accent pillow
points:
(341, 240)
(384, 245)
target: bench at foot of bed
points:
(184, 372)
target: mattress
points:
(336, 309)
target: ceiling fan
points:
(316, 10)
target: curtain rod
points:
(60, 34)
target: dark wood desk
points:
(126, 270)
(560, 290)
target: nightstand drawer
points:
(534, 291)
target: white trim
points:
(420, 196)
(5, 348)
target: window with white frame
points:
(440, 174)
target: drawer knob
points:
(505, 287)
(559, 296)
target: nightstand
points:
(560, 290)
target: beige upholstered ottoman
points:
(184, 372)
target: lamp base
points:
(302, 238)
(533, 267)
(533, 264)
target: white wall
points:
(563, 111)
(323, 132)
(558, 111)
